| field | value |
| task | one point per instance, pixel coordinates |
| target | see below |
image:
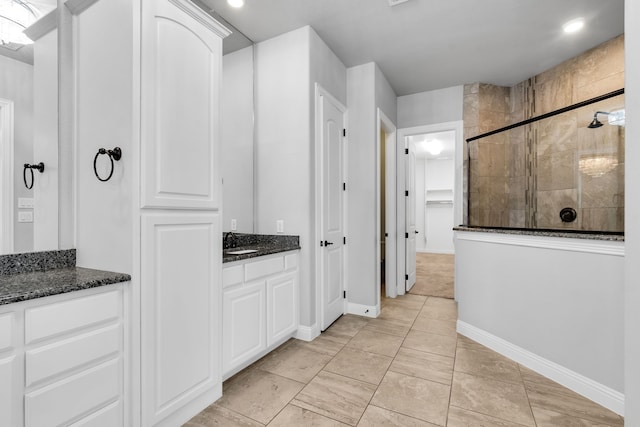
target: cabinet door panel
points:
(180, 284)
(282, 315)
(6, 331)
(8, 409)
(244, 324)
(181, 67)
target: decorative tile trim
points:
(599, 393)
(36, 261)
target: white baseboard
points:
(362, 310)
(599, 393)
(307, 333)
(436, 251)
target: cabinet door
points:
(282, 313)
(244, 329)
(8, 392)
(180, 309)
(181, 69)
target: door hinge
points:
(344, 294)
(406, 193)
(406, 235)
(344, 240)
(344, 186)
(344, 132)
(406, 277)
(406, 151)
(321, 243)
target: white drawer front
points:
(63, 401)
(110, 416)
(291, 262)
(54, 359)
(232, 276)
(6, 331)
(66, 316)
(257, 269)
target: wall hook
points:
(115, 154)
(39, 167)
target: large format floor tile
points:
(386, 345)
(428, 366)
(415, 397)
(487, 363)
(259, 395)
(381, 417)
(360, 365)
(431, 343)
(217, 416)
(337, 397)
(293, 415)
(294, 361)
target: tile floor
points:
(434, 275)
(408, 367)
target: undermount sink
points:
(240, 252)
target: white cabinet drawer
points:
(54, 319)
(256, 269)
(6, 331)
(109, 416)
(72, 397)
(50, 360)
(232, 275)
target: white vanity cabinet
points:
(62, 359)
(260, 308)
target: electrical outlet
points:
(25, 202)
(234, 225)
(279, 226)
(25, 216)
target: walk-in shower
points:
(563, 170)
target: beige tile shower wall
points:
(556, 149)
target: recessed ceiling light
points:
(573, 26)
(236, 3)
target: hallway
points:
(434, 275)
(408, 367)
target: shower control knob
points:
(568, 215)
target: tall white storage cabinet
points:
(147, 79)
(181, 67)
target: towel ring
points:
(115, 154)
(39, 167)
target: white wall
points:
(45, 141)
(16, 84)
(236, 141)
(287, 68)
(104, 223)
(632, 213)
(367, 90)
(432, 107)
(439, 218)
(550, 299)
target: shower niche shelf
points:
(439, 197)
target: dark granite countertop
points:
(263, 244)
(38, 284)
(33, 275)
(612, 237)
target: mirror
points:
(237, 115)
(29, 134)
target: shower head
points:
(595, 123)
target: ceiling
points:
(424, 45)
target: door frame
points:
(321, 92)
(6, 176)
(383, 123)
(455, 126)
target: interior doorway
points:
(386, 234)
(429, 197)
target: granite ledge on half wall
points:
(588, 235)
(34, 275)
(263, 244)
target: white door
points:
(410, 212)
(332, 209)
